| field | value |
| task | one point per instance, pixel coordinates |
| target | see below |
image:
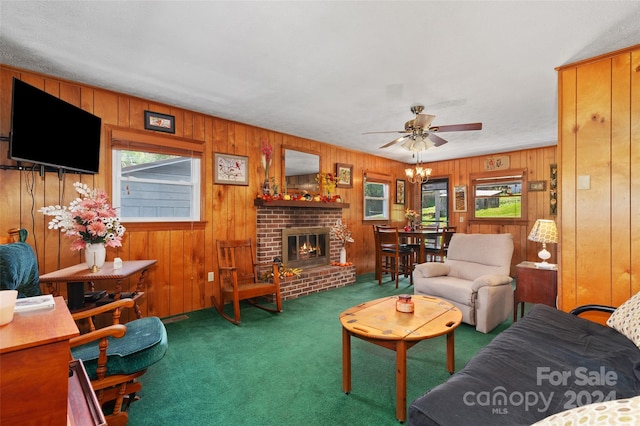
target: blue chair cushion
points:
(19, 269)
(144, 344)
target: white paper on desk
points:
(34, 303)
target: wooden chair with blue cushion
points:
(115, 356)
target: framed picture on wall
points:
(344, 175)
(230, 169)
(537, 185)
(460, 198)
(159, 122)
(400, 191)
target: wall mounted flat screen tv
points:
(49, 131)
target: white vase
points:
(95, 254)
(343, 255)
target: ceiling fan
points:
(420, 134)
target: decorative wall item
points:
(159, 122)
(496, 163)
(231, 169)
(460, 198)
(344, 173)
(537, 185)
(553, 189)
(400, 191)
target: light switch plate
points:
(584, 181)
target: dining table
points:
(420, 238)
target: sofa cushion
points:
(472, 255)
(450, 288)
(626, 319)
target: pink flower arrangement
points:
(90, 219)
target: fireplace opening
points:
(305, 247)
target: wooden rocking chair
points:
(115, 356)
(239, 279)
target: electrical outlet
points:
(461, 219)
(210, 276)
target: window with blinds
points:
(498, 196)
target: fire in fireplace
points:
(304, 247)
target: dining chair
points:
(440, 251)
(393, 257)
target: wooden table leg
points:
(451, 362)
(401, 380)
(346, 361)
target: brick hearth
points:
(271, 220)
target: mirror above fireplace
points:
(300, 168)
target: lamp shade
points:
(544, 231)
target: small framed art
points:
(460, 198)
(344, 175)
(400, 191)
(231, 169)
(159, 122)
(537, 185)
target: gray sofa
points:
(546, 363)
(474, 277)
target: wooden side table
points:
(534, 285)
(77, 275)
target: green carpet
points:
(286, 369)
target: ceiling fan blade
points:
(423, 121)
(456, 127)
(390, 131)
(393, 142)
(437, 140)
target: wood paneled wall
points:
(185, 252)
(599, 108)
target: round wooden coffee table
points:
(380, 323)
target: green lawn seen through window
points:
(508, 207)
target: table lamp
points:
(544, 231)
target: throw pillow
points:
(615, 412)
(626, 319)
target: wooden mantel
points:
(259, 202)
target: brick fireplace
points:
(275, 217)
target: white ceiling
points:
(330, 70)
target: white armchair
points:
(474, 277)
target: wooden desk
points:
(420, 236)
(79, 274)
(34, 355)
(534, 285)
(379, 322)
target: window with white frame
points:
(153, 186)
(376, 198)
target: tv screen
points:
(49, 131)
